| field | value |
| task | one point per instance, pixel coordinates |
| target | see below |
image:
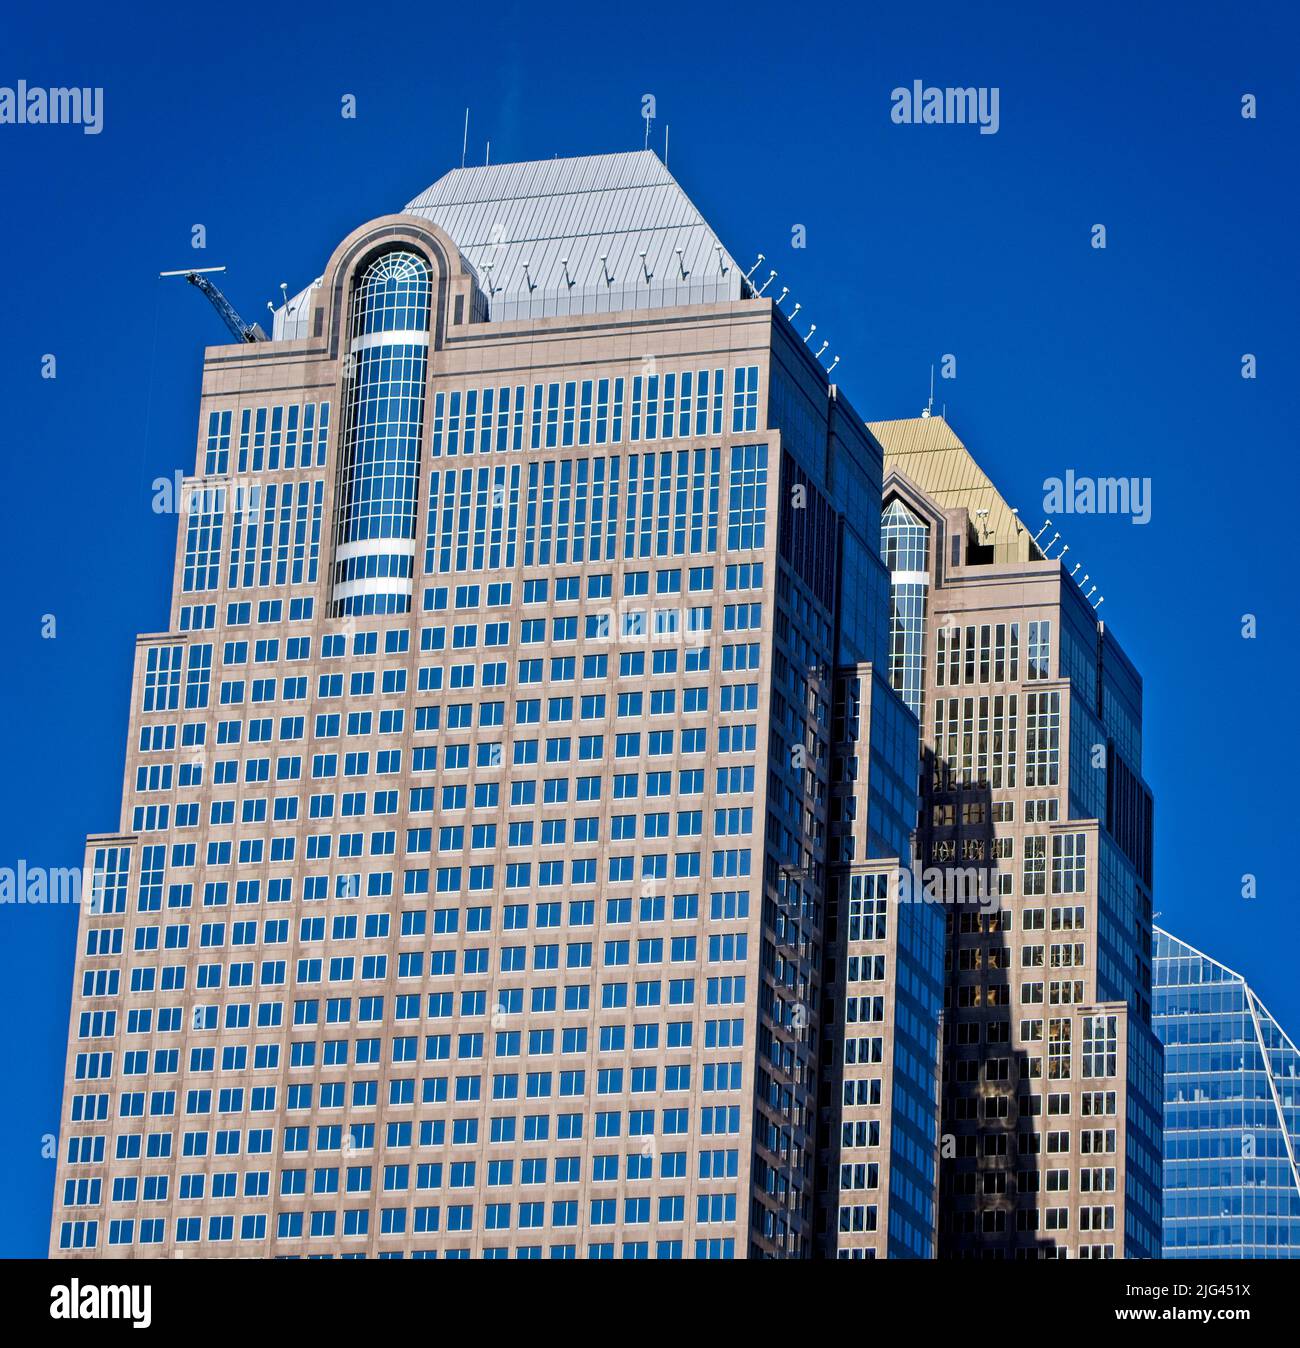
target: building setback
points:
(513, 801)
(1031, 796)
(1232, 1113)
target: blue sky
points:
(921, 241)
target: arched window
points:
(392, 295)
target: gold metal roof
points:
(927, 451)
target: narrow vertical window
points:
(380, 464)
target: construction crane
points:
(239, 330)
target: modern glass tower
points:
(1232, 1113)
(515, 800)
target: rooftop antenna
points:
(487, 155)
(755, 267)
(811, 330)
(464, 144)
(667, 128)
(929, 407)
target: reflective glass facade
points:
(914, 1124)
(1232, 1113)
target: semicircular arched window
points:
(392, 295)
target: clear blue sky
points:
(920, 241)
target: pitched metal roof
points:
(535, 235)
(595, 234)
(927, 451)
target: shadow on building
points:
(990, 1169)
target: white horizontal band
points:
(398, 337)
(375, 547)
(374, 585)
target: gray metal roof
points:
(534, 235)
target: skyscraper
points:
(512, 800)
(1232, 1113)
(1037, 825)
